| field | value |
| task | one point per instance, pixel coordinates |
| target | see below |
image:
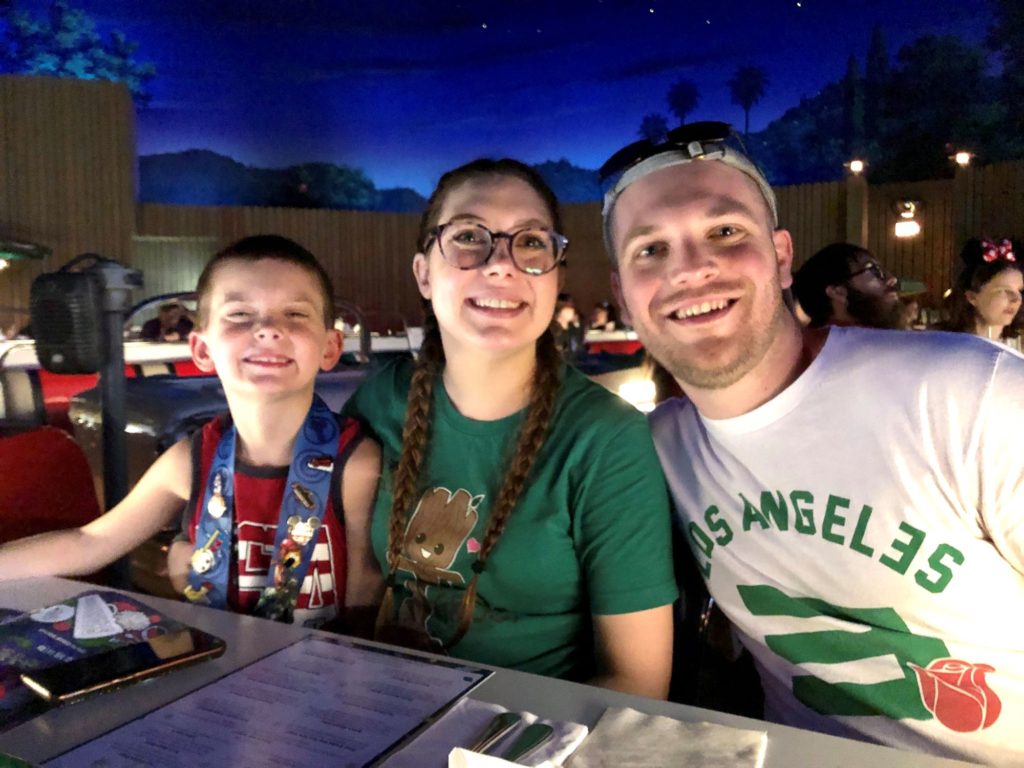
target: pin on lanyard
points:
(302, 513)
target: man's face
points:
(871, 297)
(701, 271)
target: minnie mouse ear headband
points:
(997, 250)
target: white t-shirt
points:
(864, 531)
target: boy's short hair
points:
(255, 248)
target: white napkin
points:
(464, 722)
(626, 738)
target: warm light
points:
(639, 392)
(907, 228)
(4, 264)
(963, 159)
(856, 167)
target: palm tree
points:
(654, 127)
(683, 98)
(747, 86)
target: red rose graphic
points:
(956, 693)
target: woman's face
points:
(494, 308)
(999, 299)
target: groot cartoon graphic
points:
(436, 533)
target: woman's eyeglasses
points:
(533, 250)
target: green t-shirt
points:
(589, 535)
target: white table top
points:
(248, 639)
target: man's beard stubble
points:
(751, 349)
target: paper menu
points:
(318, 702)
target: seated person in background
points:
(604, 317)
(522, 516)
(986, 299)
(279, 473)
(853, 496)
(171, 324)
(566, 329)
(843, 284)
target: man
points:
(853, 497)
(171, 324)
(843, 284)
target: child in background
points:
(279, 479)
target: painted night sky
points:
(406, 90)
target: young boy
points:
(269, 532)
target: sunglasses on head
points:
(705, 139)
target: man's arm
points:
(152, 504)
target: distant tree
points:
(570, 183)
(853, 109)
(1007, 37)
(654, 127)
(876, 80)
(747, 87)
(325, 185)
(66, 44)
(683, 98)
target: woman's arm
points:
(152, 504)
(364, 583)
(634, 651)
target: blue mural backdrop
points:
(363, 105)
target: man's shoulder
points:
(932, 350)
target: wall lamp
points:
(11, 250)
(907, 225)
(855, 166)
(962, 158)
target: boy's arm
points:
(152, 504)
(364, 584)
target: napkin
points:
(464, 722)
(626, 738)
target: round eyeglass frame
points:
(561, 243)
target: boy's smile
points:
(265, 329)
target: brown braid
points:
(415, 438)
(416, 430)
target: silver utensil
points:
(533, 737)
(500, 725)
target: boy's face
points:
(264, 330)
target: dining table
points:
(250, 639)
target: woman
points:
(524, 521)
(986, 300)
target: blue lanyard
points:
(307, 491)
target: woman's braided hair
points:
(416, 432)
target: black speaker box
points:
(66, 325)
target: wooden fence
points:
(67, 182)
(67, 179)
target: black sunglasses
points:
(700, 139)
(874, 268)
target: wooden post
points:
(857, 210)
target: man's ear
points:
(837, 294)
(616, 279)
(332, 351)
(421, 270)
(201, 353)
(783, 256)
